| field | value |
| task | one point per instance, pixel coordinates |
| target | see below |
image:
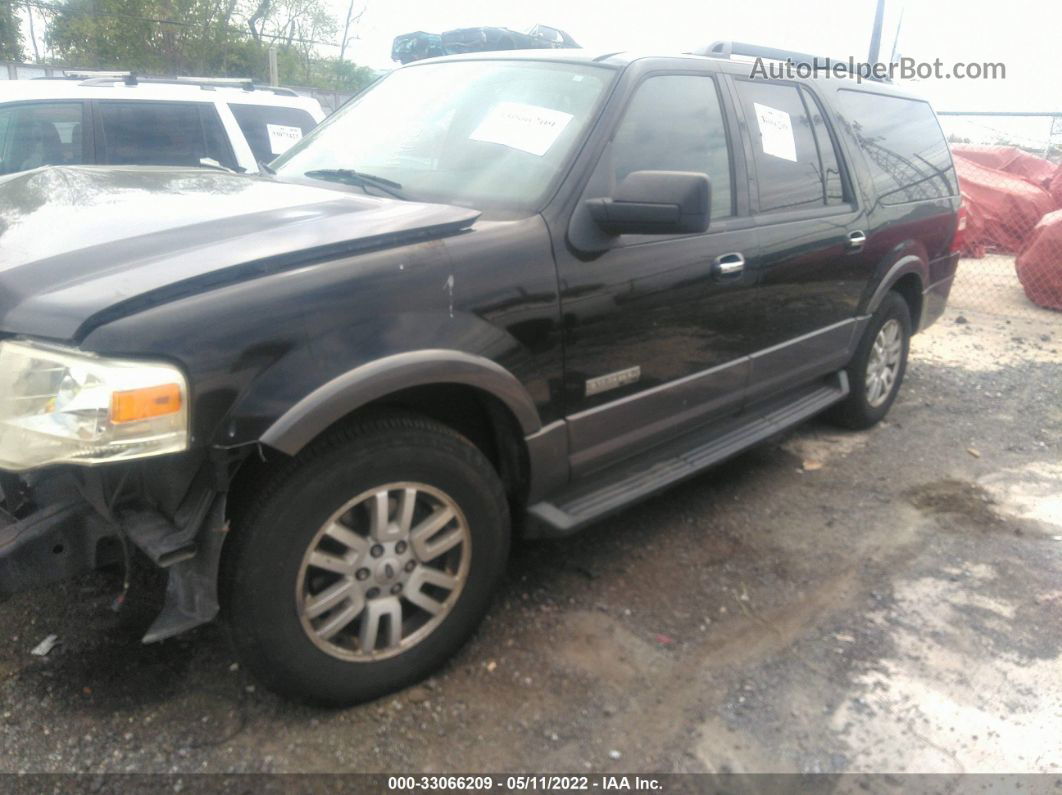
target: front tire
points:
(367, 561)
(878, 366)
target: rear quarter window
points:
(903, 145)
(271, 130)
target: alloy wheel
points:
(383, 572)
(883, 365)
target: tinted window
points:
(791, 174)
(161, 134)
(40, 134)
(675, 123)
(270, 130)
(904, 146)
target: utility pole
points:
(875, 35)
(274, 76)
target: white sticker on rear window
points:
(281, 137)
(529, 128)
(776, 132)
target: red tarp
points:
(1012, 202)
(1039, 265)
(1002, 207)
(1055, 188)
(1011, 159)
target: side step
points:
(633, 480)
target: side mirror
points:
(656, 203)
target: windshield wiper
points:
(209, 162)
(265, 167)
(360, 179)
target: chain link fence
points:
(1010, 175)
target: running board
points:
(633, 480)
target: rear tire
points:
(367, 561)
(878, 366)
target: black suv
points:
(494, 294)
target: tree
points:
(10, 33)
(297, 27)
(217, 37)
(337, 75)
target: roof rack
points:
(93, 74)
(93, 78)
(728, 49)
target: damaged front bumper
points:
(60, 523)
(62, 539)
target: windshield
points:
(484, 134)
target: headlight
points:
(64, 406)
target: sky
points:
(1022, 34)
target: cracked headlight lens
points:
(65, 406)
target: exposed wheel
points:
(367, 561)
(877, 368)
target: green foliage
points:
(204, 37)
(10, 33)
(338, 75)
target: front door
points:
(656, 328)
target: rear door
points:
(814, 268)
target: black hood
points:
(78, 243)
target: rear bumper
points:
(934, 301)
(935, 296)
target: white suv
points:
(118, 119)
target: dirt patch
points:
(955, 497)
(817, 445)
(598, 645)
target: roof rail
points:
(93, 74)
(728, 49)
(206, 83)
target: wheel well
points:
(909, 286)
(477, 415)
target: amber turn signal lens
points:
(143, 404)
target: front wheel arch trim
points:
(332, 401)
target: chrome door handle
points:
(856, 239)
(729, 264)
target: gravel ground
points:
(879, 601)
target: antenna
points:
(896, 40)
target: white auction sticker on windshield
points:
(281, 137)
(529, 128)
(776, 132)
